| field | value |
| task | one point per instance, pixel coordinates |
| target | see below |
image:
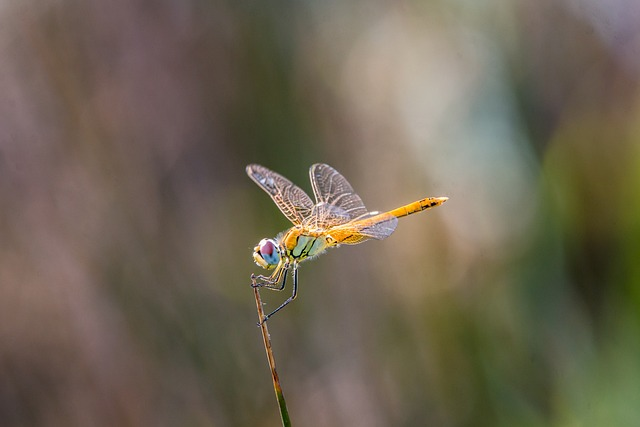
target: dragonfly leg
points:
(272, 282)
(288, 300)
(275, 286)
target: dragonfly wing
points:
(374, 225)
(325, 216)
(330, 187)
(292, 201)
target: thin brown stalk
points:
(282, 404)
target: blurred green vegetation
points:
(127, 221)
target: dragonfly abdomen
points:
(418, 206)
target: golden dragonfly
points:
(337, 217)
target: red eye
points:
(267, 253)
(267, 248)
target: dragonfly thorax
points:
(300, 243)
(267, 254)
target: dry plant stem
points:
(282, 404)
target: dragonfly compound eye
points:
(266, 254)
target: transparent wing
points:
(331, 188)
(292, 201)
(326, 216)
(372, 225)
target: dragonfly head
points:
(267, 254)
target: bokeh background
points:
(127, 221)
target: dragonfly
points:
(338, 217)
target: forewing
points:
(330, 187)
(292, 201)
(372, 226)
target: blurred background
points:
(127, 221)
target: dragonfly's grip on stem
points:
(282, 404)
